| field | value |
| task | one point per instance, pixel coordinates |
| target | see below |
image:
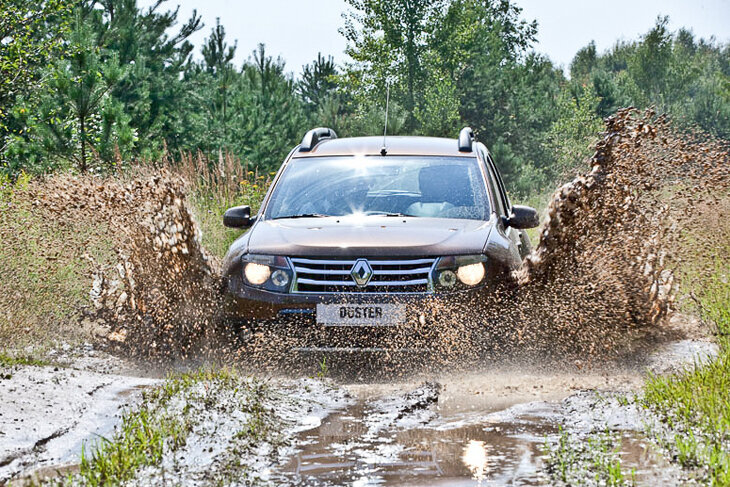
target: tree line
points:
(94, 85)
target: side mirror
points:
(237, 217)
(522, 217)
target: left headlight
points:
(459, 272)
(267, 272)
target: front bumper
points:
(294, 316)
(251, 304)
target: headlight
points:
(257, 274)
(459, 272)
(266, 272)
(471, 274)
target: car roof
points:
(396, 146)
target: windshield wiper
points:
(386, 213)
(303, 215)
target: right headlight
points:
(460, 272)
(267, 272)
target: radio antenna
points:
(384, 150)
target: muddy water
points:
(457, 452)
(486, 428)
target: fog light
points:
(447, 279)
(280, 278)
(256, 274)
(471, 274)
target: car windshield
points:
(426, 186)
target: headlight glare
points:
(471, 274)
(459, 272)
(257, 274)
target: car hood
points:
(368, 236)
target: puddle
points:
(343, 452)
(389, 438)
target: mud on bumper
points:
(256, 314)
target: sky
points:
(297, 30)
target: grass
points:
(591, 460)
(216, 186)
(142, 438)
(11, 360)
(694, 405)
(167, 417)
(323, 368)
(46, 264)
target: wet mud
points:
(47, 414)
(481, 427)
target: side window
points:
(493, 187)
(502, 191)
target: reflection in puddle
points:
(475, 459)
(464, 451)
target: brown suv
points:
(359, 233)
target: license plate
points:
(360, 314)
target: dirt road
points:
(481, 428)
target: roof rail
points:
(313, 137)
(466, 139)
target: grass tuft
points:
(9, 360)
(591, 460)
(167, 417)
(694, 405)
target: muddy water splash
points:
(604, 269)
(159, 295)
(613, 249)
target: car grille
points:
(332, 275)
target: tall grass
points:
(695, 404)
(46, 263)
(215, 186)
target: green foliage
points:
(390, 39)
(31, 33)
(452, 64)
(318, 83)
(254, 112)
(573, 133)
(79, 117)
(439, 114)
(679, 74)
(123, 86)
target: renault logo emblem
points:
(361, 272)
